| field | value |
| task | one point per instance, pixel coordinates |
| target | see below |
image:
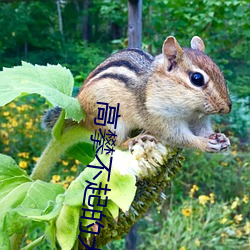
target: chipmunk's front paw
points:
(141, 139)
(217, 142)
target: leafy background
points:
(207, 206)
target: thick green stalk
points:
(58, 146)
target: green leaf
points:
(39, 194)
(9, 168)
(34, 243)
(113, 209)
(11, 183)
(67, 226)
(82, 151)
(123, 189)
(53, 82)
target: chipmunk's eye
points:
(197, 79)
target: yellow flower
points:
(187, 211)
(77, 162)
(235, 203)
(203, 199)
(224, 164)
(197, 242)
(211, 195)
(193, 190)
(70, 178)
(223, 220)
(12, 105)
(238, 218)
(73, 168)
(65, 185)
(35, 159)
(223, 235)
(65, 163)
(238, 233)
(14, 123)
(6, 113)
(4, 134)
(234, 152)
(24, 154)
(23, 164)
(247, 227)
(29, 124)
(245, 199)
(183, 248)
(55, 178)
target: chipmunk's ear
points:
(197, 43)
(171, 49)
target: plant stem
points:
(56, 148)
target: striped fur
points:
(156, 94)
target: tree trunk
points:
(135, 23)
(59, 16)
(85, 19)
(131, 238)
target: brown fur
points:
(156, 95)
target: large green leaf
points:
(22, 200)
(82, 151)
(9, 168)
(67, 226)
(53, 82)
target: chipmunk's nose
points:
(227, 108)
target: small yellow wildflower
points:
(197, 242)
(29, 124)
(65, 185)
(224, 164)
(223, 220)
(77, 162)
(23, 164)
(238, 218)
(203, 199)
(211, 195)
(238, 233)
(235, 203)
(14, 123)
(35, 159)
(55, 178)
(193, 190)
(24, 154)
(73, 168)
(6, 113)
(245, 198)
(4, 134)
(70, 178)
(183, 248)
(223, 235)
(247, 227)
(12, 105)
(187, 211)
(65, 163)
(234, 152)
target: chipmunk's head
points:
(197, 75)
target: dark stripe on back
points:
(142, 53)
(118, 63)
(118, 77)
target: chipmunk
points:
(170, 96)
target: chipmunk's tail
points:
(50, 117)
